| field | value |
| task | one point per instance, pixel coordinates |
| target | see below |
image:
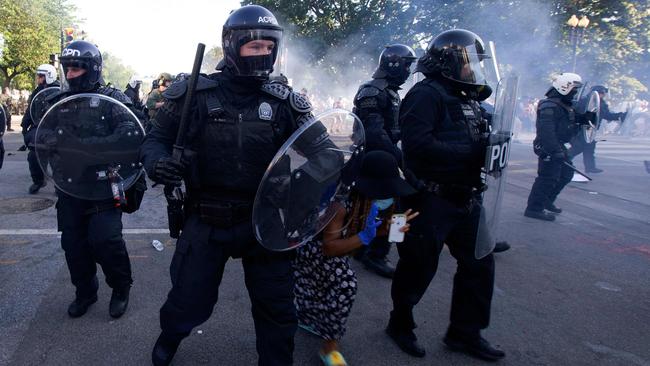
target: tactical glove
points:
(168, 172)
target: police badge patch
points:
(265, 111)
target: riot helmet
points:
(165, 79)
(395, 64)
(83, 55)
(246, 24)
(567, 84)
(457, 55)
(48, 71)
(135, 81)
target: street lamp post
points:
(577, 34)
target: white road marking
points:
(55, 232)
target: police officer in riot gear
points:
(444, 142)
(557, 124)
(241, 119)
(91, 231)
(588, 149)
(377, 105)
(45, 78)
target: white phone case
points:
(397, 222)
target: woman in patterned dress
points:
(325, 284)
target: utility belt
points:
(459, 194)
(221, 213)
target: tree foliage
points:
(115, 72)
(531, 35)
(31, 29)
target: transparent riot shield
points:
(496, 162)
(88, 145)
(592, 113)
(588, 107)
(41, 102)
(293, 201)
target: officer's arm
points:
(159, 141)
(546, 121)
(420, 112)
(369, 111)
(27, 121)
(605, 113)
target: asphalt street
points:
(571, 292)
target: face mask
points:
(383, 204)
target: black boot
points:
(475, 346)
(381, 266)
(119, 302)
(80, 305)
(165, 349)
(540, 215)
(501, 246)
(551, 207)
(34, 188)
(406, 341)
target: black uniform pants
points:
(34, 167)
(552, 176)
(587, 149)
(93, 238)
(196, 272)
(441, 222)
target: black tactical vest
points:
(387, 102)
(566, 124)
(236, 145)
(461, 123)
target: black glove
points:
(560, 155)
(168, 172)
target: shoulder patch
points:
(115, 94)
(299, 103)
(179, 88)
(277, 90)
(367, 91)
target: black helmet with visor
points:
(457, 55)
(83, 55)
(250, 23)
(395, 64)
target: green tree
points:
(31, 29)
(211, 59)
(115, 72)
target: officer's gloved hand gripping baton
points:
(173, 194)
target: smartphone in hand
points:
(397, 222)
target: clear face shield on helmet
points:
(261, 62)
(77, 83)
(466, 65)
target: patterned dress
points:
(325, 289)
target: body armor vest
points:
(236, 145)
(566, 125)
(462, 123)
(387, 101)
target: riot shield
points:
(496, 162)
(588, 106)
(293, 201)
(40, 103)
(88, 145)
